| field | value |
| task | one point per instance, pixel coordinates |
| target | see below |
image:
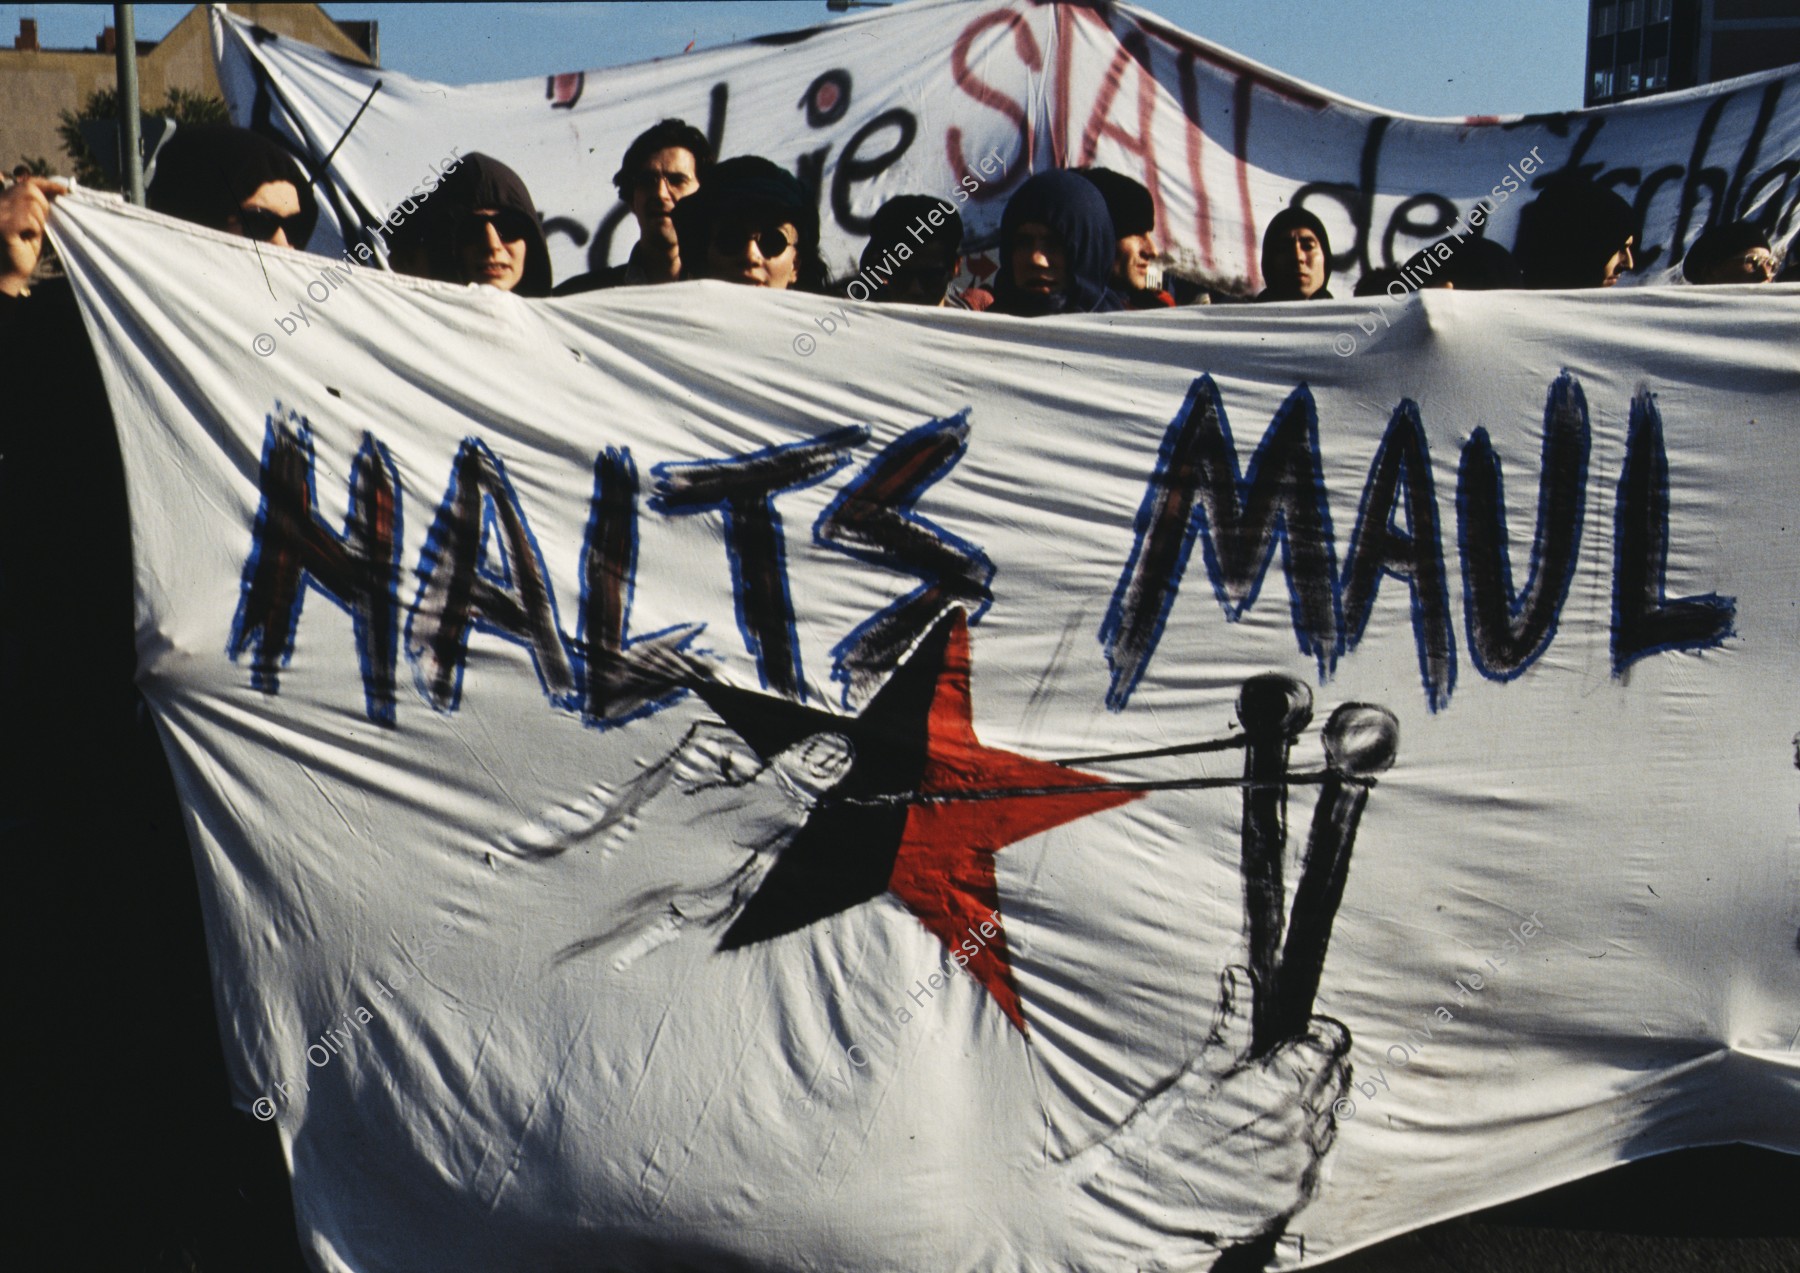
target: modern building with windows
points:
(1640, 47)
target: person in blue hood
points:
(1056, 249)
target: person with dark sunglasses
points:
(752, 223)
(479, 226)
(758, 251)
(270, 215)
(491, 246)
(234, 180)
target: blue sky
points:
(1426, 57)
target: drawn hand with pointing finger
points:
(684, 845)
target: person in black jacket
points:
(122, 1113)
(663, 165)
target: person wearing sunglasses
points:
(491, 246)
(1735, 252)
(752, 223)
(234, 180)
(479, 226)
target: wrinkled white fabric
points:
(1566, 935)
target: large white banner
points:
(963, 99)
(993, 795)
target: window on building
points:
(1628, 78)
(1660, 10)
(1603, 83)
(1604, 17)
(1631, 15)
(1656, 73)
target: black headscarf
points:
(1569, 233)
(478, 181)
(1075, 211)
(757, 189)
(205, 173)
(1278, 238)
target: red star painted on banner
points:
(921, 814)
(944, 872)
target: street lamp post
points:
(131, 151)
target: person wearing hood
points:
(1133, 215)
(1296, 258)
(234, 180)
(1057, 248)
(479, 226)
(1576, 234)
(751, 223)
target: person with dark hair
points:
(1735, 252)
(1296, 258)
(663, 165)
(911, 258)
(1056, 249)
(110, 908)
(1377, 281)
(1133, 215)
(479, 226)
(751, 223)
(1471, 263)
(1576, 233)
(234, 180)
